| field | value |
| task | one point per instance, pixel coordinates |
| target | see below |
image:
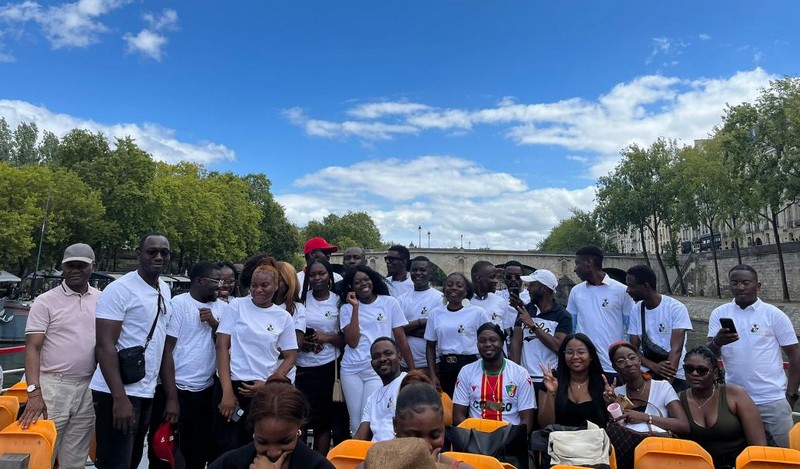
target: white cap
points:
(545, 277)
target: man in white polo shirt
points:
(600, 306)
(59, 358)
(377, 419)
(128, 310)
(752, 353)
(190, 349)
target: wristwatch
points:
(32, 387)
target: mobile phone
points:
(237, 414)
(310, 332)
(727, 323)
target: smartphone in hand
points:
(727, 323)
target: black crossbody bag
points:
(650, 349)
(131, 359)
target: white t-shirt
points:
(133, 302)
(534, 352)
(479, 392)
(669, 315)
(755, 361)
(194, 353)
(256, 335)
(398, 288)
(380, 408)
(661, 394)
(376, 319)
(497, 308)
(456, 332)
(299, 322)
(322, 316)
(418, 305)
(302, 275)
(601, 312)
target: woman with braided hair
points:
(717, 412)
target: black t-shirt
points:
(303, 457)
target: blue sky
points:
(487, 119)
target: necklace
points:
(636, 391)
(700, 406)
(578, 385)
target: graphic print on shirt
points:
(754, 329)
(491, 399)
(662, 328)
(529, 334)
(461, 329)
(424, 312)
(270, 328)
(380, 318)
(605, 303)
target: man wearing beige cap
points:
(541, 326)
(59, 357)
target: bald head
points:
(353, 256)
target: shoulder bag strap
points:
(155, 321)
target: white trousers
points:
(357, 389)
(69, 406)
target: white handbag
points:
(590, 447)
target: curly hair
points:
(710, 358)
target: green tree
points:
(72, 209)
(638, 194)
(80, 147)
(25, 137)
(580, 229)
(48, 147)
(279, 237)
(6, 141)
(760, 142)
(352, 227)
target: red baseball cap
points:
(318, 244)
(164, 443)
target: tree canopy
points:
(571, 233)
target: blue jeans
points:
(117, 450)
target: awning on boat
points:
(8, 277)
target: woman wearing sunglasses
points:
(717, 411)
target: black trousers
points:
(117, 450)
(195, 442)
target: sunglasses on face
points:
(392, 259)
(701, 370)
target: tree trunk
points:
(736, 239)
(784, 285)
(644, 247)
(714, 254)
(660, 261)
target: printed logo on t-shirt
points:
(511, 390)
(532, 333)
(755, 329)
(389, 403)
(424, 312)
(496, 316)
(381, 317)
(331, 314)
(460, 329)
(605, 303)
(662, 328)
(270, 328)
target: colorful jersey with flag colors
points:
(498, 396)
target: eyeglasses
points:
(701, 370)
(154, 252)
(512, 277)
(220, 283)
(621, 361)
(744, 283)
(392, 259)
(581, 352)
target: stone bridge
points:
(461, 260)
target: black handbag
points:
(508, 443)
(131, 359)
(651, 350)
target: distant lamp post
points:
(462, 241)
(419, 238)
(429, 239)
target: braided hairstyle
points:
(711, 359)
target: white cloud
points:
(447, 196)
(66, 25)
(704, 37)
(380, 109)
(151, 41)
(159, 141)
(146, 42)
(637, 111)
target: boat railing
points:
(10, 351)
